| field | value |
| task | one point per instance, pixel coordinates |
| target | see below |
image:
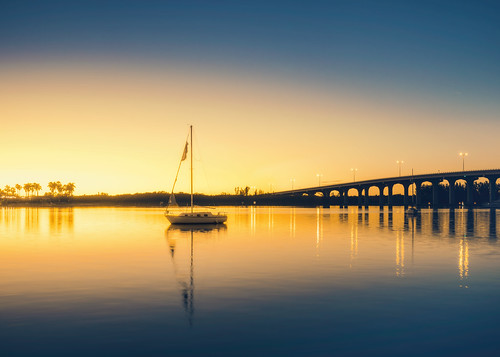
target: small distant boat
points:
(192, 217)
(412, 211)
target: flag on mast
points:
(184, 154)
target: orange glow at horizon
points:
(121, 129)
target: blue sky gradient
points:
(436, 45)
(335, 79)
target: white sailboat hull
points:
(196, 218)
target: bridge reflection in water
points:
(441, 222)
(460, 225)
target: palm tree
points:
(18, 188)
(59, 188)
(52, 187)
(27, 189)
(36, 187)
(32, 188)
(69, 188)
(6, 191)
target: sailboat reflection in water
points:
(191, 217)
(186, 281)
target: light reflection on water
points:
(274, 280)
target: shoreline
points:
(161, 199)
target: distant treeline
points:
(136, 199)
(243, 197)
(56, 189)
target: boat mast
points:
(191, 135)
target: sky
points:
(102, 93)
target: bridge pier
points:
(367, 197)
(405, 193)
(381, 195)
(451, 193)
(470, 191)
(346, 198)
(389, 194)
(435, 193)
(326, 199)
(418, 191)
(493, 188)
(360, 197)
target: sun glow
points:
(120, 129)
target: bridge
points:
(434, 179)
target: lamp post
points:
(354, 174)
(292, 180)
(399, 164)
(319, 179)
(463, 155)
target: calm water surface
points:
(273, 281)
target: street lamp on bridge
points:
(399, 164)
(292, 180)
(463, 155)
(319, 179)
(354, 174)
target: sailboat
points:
(412, 210)
(192, 216)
